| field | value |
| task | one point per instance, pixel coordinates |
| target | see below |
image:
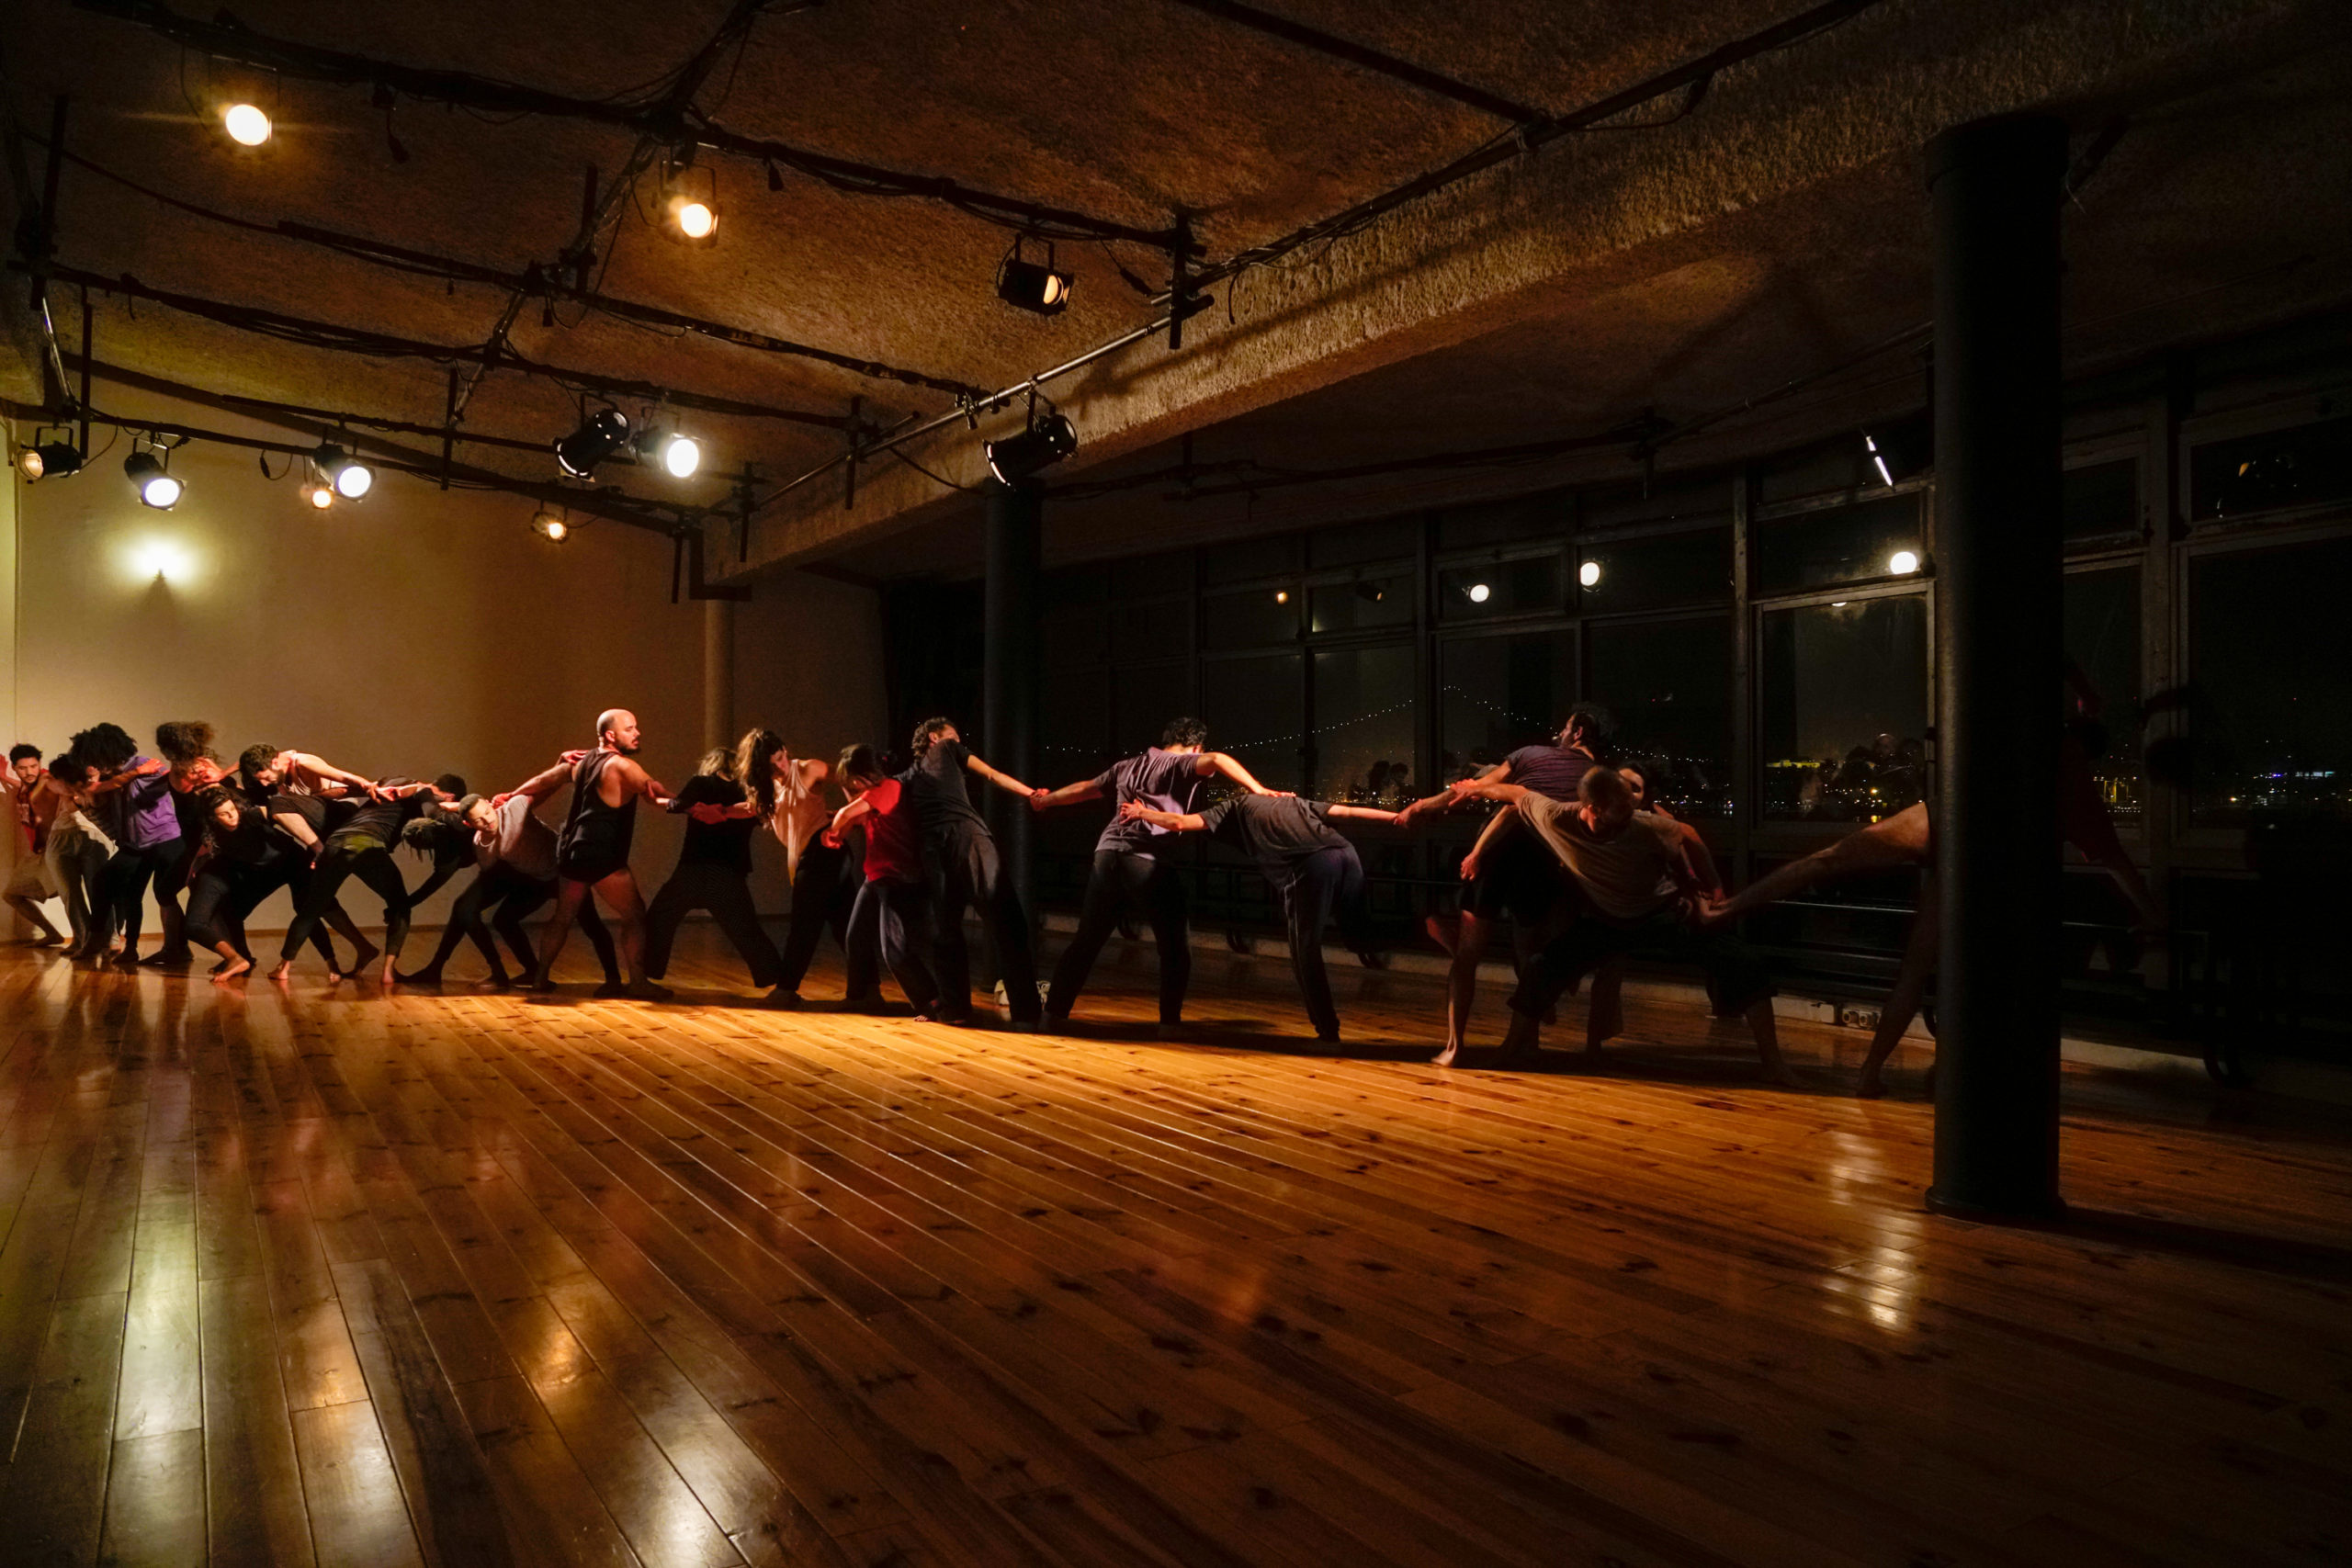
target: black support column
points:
(1009, 667)
(1995, 186)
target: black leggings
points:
(514, 895)
(1120, 880)
(372, 865)
(824, 892)
(727, 894)
(897, 917)
(223, 894)
(1326, 883)
(128, 874)
(966, 874)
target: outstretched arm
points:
(1456, 792)
(1214, 762)
(1497, 825)
(116, 780)
(1068, 795)
(998, 777)
(538, 786)
(1364, 814)
(319, 767)
(1491, 789)
(1189, 822)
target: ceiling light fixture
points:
(246, 125)
(1047, 442)
(1037, 287)
(48, 459)
(1589, 574)
(604, 433)
(691, 204)
(550, 526)
(679, 454)
(336, 465)
(1902, 563)
(146, 473)
(321, 497)
(1480, 593)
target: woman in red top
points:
(895, 895)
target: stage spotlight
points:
(1589, 574)
(1037, 287)
(321, 497)
(1902, 563)
(681, 456)
(1044, 442)
(48, 460)
(1480, 593)
(155, 488)
(605, 433)
(550, 526)
(696, 220)
(247, 126)
(1281, 595)
(351, 478)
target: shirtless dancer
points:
(593, 852)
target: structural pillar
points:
(1009, 667)
(717, 674)
(1996, 188)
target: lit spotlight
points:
(696, 220)
(48, 460)
(321, 497)
(550, 526)
(1036, 286)
(1589, 574)
(1281, 595)
(605, 433)
(351, 478)
(681, 455)
(155, 488)
(1902, 563)
(247, 126)
(1043, 444)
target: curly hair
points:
(183, 740)
(104, 747)
(926, 732)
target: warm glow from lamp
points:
(1903, 562)
(159, 559)
(247, 126)
(696, 220)
(1589, 574)
(1480, 593)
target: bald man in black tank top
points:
(593, 849)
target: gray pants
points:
(77, 861)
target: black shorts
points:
(1518, 878)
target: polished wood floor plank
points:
(318, 1275)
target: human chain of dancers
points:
(1583, 865)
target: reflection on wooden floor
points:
(322, 1277)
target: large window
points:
(1144, 697)
(2102, 620)
(1364, 605)
(1654, 573)
(1668, 686)
(2303, 466)
(1256, 708)
(1363, 724)
(1488, 589)
(1843, 694)
(1846, 543)
(1498, 693)
(1251, 618)
(2270, 682)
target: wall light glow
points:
(1903, 562)
(155, 557)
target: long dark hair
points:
(752, 771)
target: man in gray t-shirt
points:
(514, 876)
(1129, 871)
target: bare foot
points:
(389, 980)
(229, 971)
(1447, 1057)
(284, 967)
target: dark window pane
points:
(1168, 572)
(1500, 521)
(1075, 585)
(1668, 686)
(2102, 500)
(2102, 614)
(1144, 697)
(1073, 634)
(1363, 724)
(1669, 498)
(1360, 605)
(1256, 708)
(1393, 539)
(1499, 693)
(1654, 573)
(2270, 670)
(1073, 722)
(1846, 543)
(1843, 689)
(2302, 466)
(1245, 560)
(1156, 630)
(1251, 618)
(1503, 588)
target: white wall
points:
(419, 632)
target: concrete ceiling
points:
(1774, 231)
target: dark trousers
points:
(80, 862)
(824, 893)
(172, 880)
(967, 874)
(897, 916)
(1148, 884)
(512, 895)
(124, 906)
(1327, 882)
(223, 894)
(727, 894)
(337, 863)
(1736, 975)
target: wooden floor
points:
(314, 1277)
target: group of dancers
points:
(1583, 866)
